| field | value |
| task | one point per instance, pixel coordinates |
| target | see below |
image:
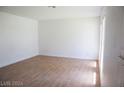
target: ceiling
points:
(45, 12)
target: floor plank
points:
(46, 71)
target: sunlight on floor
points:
(94, 78)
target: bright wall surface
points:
(77, 38)
(18, 38)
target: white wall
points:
(18, 38)
(78, 38)
(114, 20)
(122, 37)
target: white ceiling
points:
(45, 12)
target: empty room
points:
(61, 46)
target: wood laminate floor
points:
(45, 71)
